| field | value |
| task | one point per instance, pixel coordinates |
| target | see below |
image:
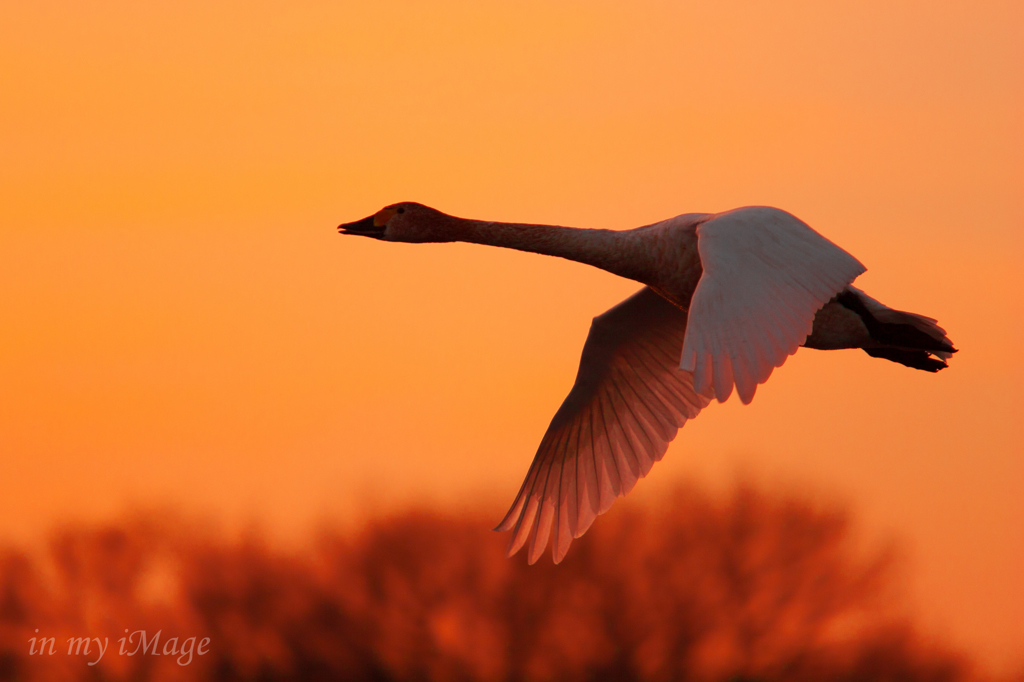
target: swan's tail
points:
(907, 338)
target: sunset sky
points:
(181, 326)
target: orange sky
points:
(181, 324)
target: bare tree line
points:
(748, 587)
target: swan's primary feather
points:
(627, 403)
(765, 274)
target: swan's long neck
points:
(621, 253)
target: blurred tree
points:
(752, 587)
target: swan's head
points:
(404, 222)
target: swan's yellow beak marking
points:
(383, 216)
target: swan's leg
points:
(855, 320)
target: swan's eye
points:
(401, 209)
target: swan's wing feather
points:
(628, 402)
(765, 275)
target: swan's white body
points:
(729, 297)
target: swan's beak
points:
(367, 227)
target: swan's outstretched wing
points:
(766, 274)
(628, 402)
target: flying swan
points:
(728, 297)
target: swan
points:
(727, 298)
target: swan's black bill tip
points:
(363, 228)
